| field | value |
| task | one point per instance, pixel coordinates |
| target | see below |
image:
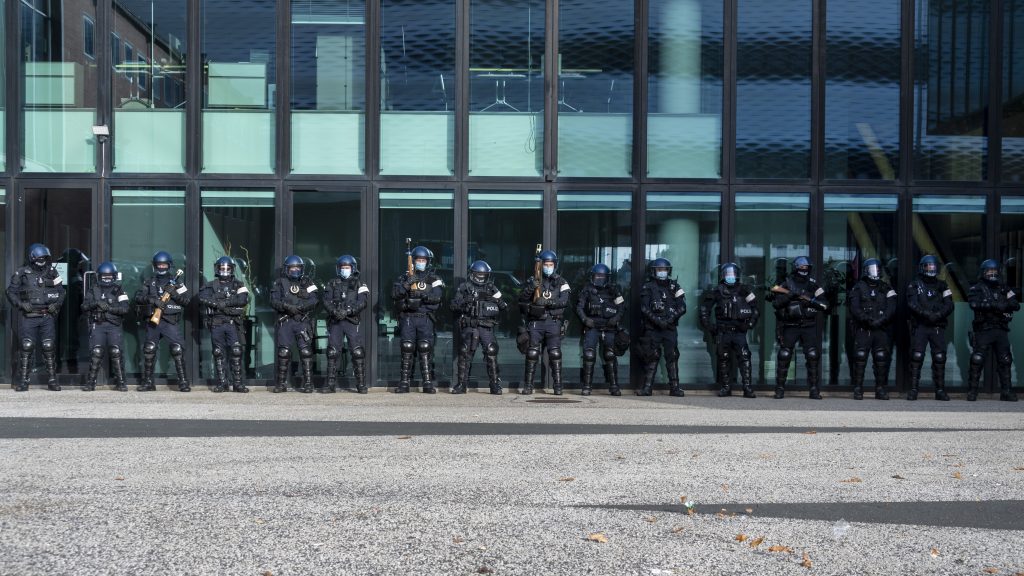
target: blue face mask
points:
(346, 273)
(548, 270)
(730, 278)
(661, 274)
(420, 266)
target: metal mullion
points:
(370, 273)
(906, 153)
(283, 118)
(462, 29)
(193, 245)
(729, 79)
(640, 89)
(551, 72)
(104, 89)
(194, 93)
(995, 97)
(818, 71)
(371, 135)
(639, 240)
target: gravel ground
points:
(502, 505)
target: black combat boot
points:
(974, 380)
(331, 386)
(24, 359)
(586, 377)
(404, 373)
(672, 367)
(462, 374)
(179, 368)
(427, 371)
(358, 367)
(236, 375)
(723, 366)
(117, 369)
(939, 377)
(650, 371)
(148, 366)
(781, 373)
(218, 374)
(281, 382)
(556, 376)
(745, 377)
(307, 374)
(95, 361)
(857, 379)
(611, 376)
(531, 369)
(814, 380)
(1006, 393)
(50, 360)
(881, 380)
(491, 362)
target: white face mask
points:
(661, 274)
(346, 272)
(548, 270)
(420, 265)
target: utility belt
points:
(221, 319)
(803, 323)
(723, 328)
(105, 318)
(468, 322)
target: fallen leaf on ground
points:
(928, 456)
(807, 561)
(690, 512)
(597, 537)
(935, 552)
(683, 498)
(404, 437)
(260, 521)
(957, 465)
(457, 540)
(1019, 468)
(740, 538)
(620, 457)
(651, 519)
(898, 477)
(957, 475)
(484, 570)
(780, 548)
(811, 432)
(756, 542)
(749, 510)
(853, 480)
(268, 573)
(725, 488)
(119, 478)
(991, 570)
(566, 479)
(677, 529)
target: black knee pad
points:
(218, 353)
(358, 353)
(408, 347)
(27, 345)
(812, 354)
(424, 346)
(589, 355)
(96, 352)
(881, 356)
(149, 348)
(860, 355)
(723, 353)
(917, 356)
(47, 345)
(1004, 359)
(939, 358)
(555, 353)
(977, 359)
(532, 354)
(115, 353)
(283, 353)
(236, 350)
(745, 354)
(305, 352)
(491, 349)
(671, 354)
(332, 352)
(176, 349)
(608, 354)
(785, 354)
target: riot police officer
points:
(344, 299)
(600, 307)
(798, 302)
(993, 304)
(872, 305)
(930, 302)
(163, 292)
(542, 306)
(478, 303)
(417, 295)
(224, 300)
(106, 305)
(662, 303)
(294, 297)
(37, 292)
(733, 306)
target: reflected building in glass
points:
(702, 131)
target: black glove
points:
(103, 305)
(53, 309)
(662, 324)
(613, 322)
(156, 302)
(292, 310)
(588, 322)
(26, 307)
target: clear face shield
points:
(295, 272)
(161, 268)
(991, 275)
(871, 271)
(600, 280)
(106, 279)
(479, 278)
(224, 271)
(930, 269)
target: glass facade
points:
(699, 130)
(1011, 256)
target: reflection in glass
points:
(239, 85)
(1011, 242)
(240, 224)
(684, 227)
(953, 229)
(856, 227)
(417, 92)
(60, 88)
(771, 230)
(862, 89)
(328, 86)
(773, 89)
(504, 229)
(149, 92)
(593, 227)
(595, 88)
(1012, 161)
(427, 217)
(951, 78)
(506, 87)
(3, 102)
(144, 222)
(684, 123)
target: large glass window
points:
(504, 229)
(3, 81)
(684, 122)
(773, 89)
(593, 227)
(143, 222)
(1012, 161)
(149, 127)
(240, 224)
(951, 78)
(328, 94)
(953, 229)
(771, 230)
(862, 89)
(857, 227)
(5, 311)
(506, 87)
(595, 88)
(417, 91)
(1011, 241)
(684, 228)
(239, 85)
(60, 88)
(427, 217)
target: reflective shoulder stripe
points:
(824, 306)
(437, 283)
(1011, 294)
(619, 300)
(819, 291)
(947, 293)
(182, 289)
(362, 289)
(122, 298)
(497, 294)
(890, 294)
(58, 281)
(680, 292)
(564, 287)
(311, 288)
(242, 290)
(750, 297)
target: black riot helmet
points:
(872, 269)
(990, 271)
(479, 272)
(802, 266)
(421, 253)
(294, 267)
(162, 263)
(39, 256)
(548, 256)
(660, 268)
(599, 275)
(106, 272)
(349, 262)
(224, 268)
(928, 266)
(729, 273)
